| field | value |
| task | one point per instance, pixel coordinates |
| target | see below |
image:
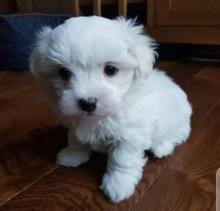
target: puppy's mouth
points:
(90, 113)
(94, 114)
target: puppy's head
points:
(87, 65)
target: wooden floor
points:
(30, 138)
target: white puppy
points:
(98, 77)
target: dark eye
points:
(110, 70)
(64, 73)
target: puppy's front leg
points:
(124, 171)
(74, 154)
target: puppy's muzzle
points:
(87, 105)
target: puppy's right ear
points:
(39, 50)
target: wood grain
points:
(183, 181)
(8, 6)
(24, 5)
(76, 8)
(187, 13)
(97, 7)
(150, 13)
(67, 5)
(180, 70)
(49, 6)
(185, 34)
(180, 21)
(122, 8)
(25, 133)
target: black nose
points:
(87, 105)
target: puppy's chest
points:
(100, 135)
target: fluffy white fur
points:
(140, 108)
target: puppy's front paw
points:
(118, 186)
(70, 157)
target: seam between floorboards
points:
(28, 186)
(148, 188)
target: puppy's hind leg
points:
(163, 149)
(166, 147)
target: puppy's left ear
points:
(140, 45)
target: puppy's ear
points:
(39, 50)
(140, 45)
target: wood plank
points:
(150, 13)
(122, 8)
(185, 34)
(24, 5)
(29, 134)
(187, 13)
(66, 5)
(97, 7)
(78, 188)
(180, 70)
(8, 6)
(48, 6)
(75, 7)
(108, 2)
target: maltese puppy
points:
(98, 77)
